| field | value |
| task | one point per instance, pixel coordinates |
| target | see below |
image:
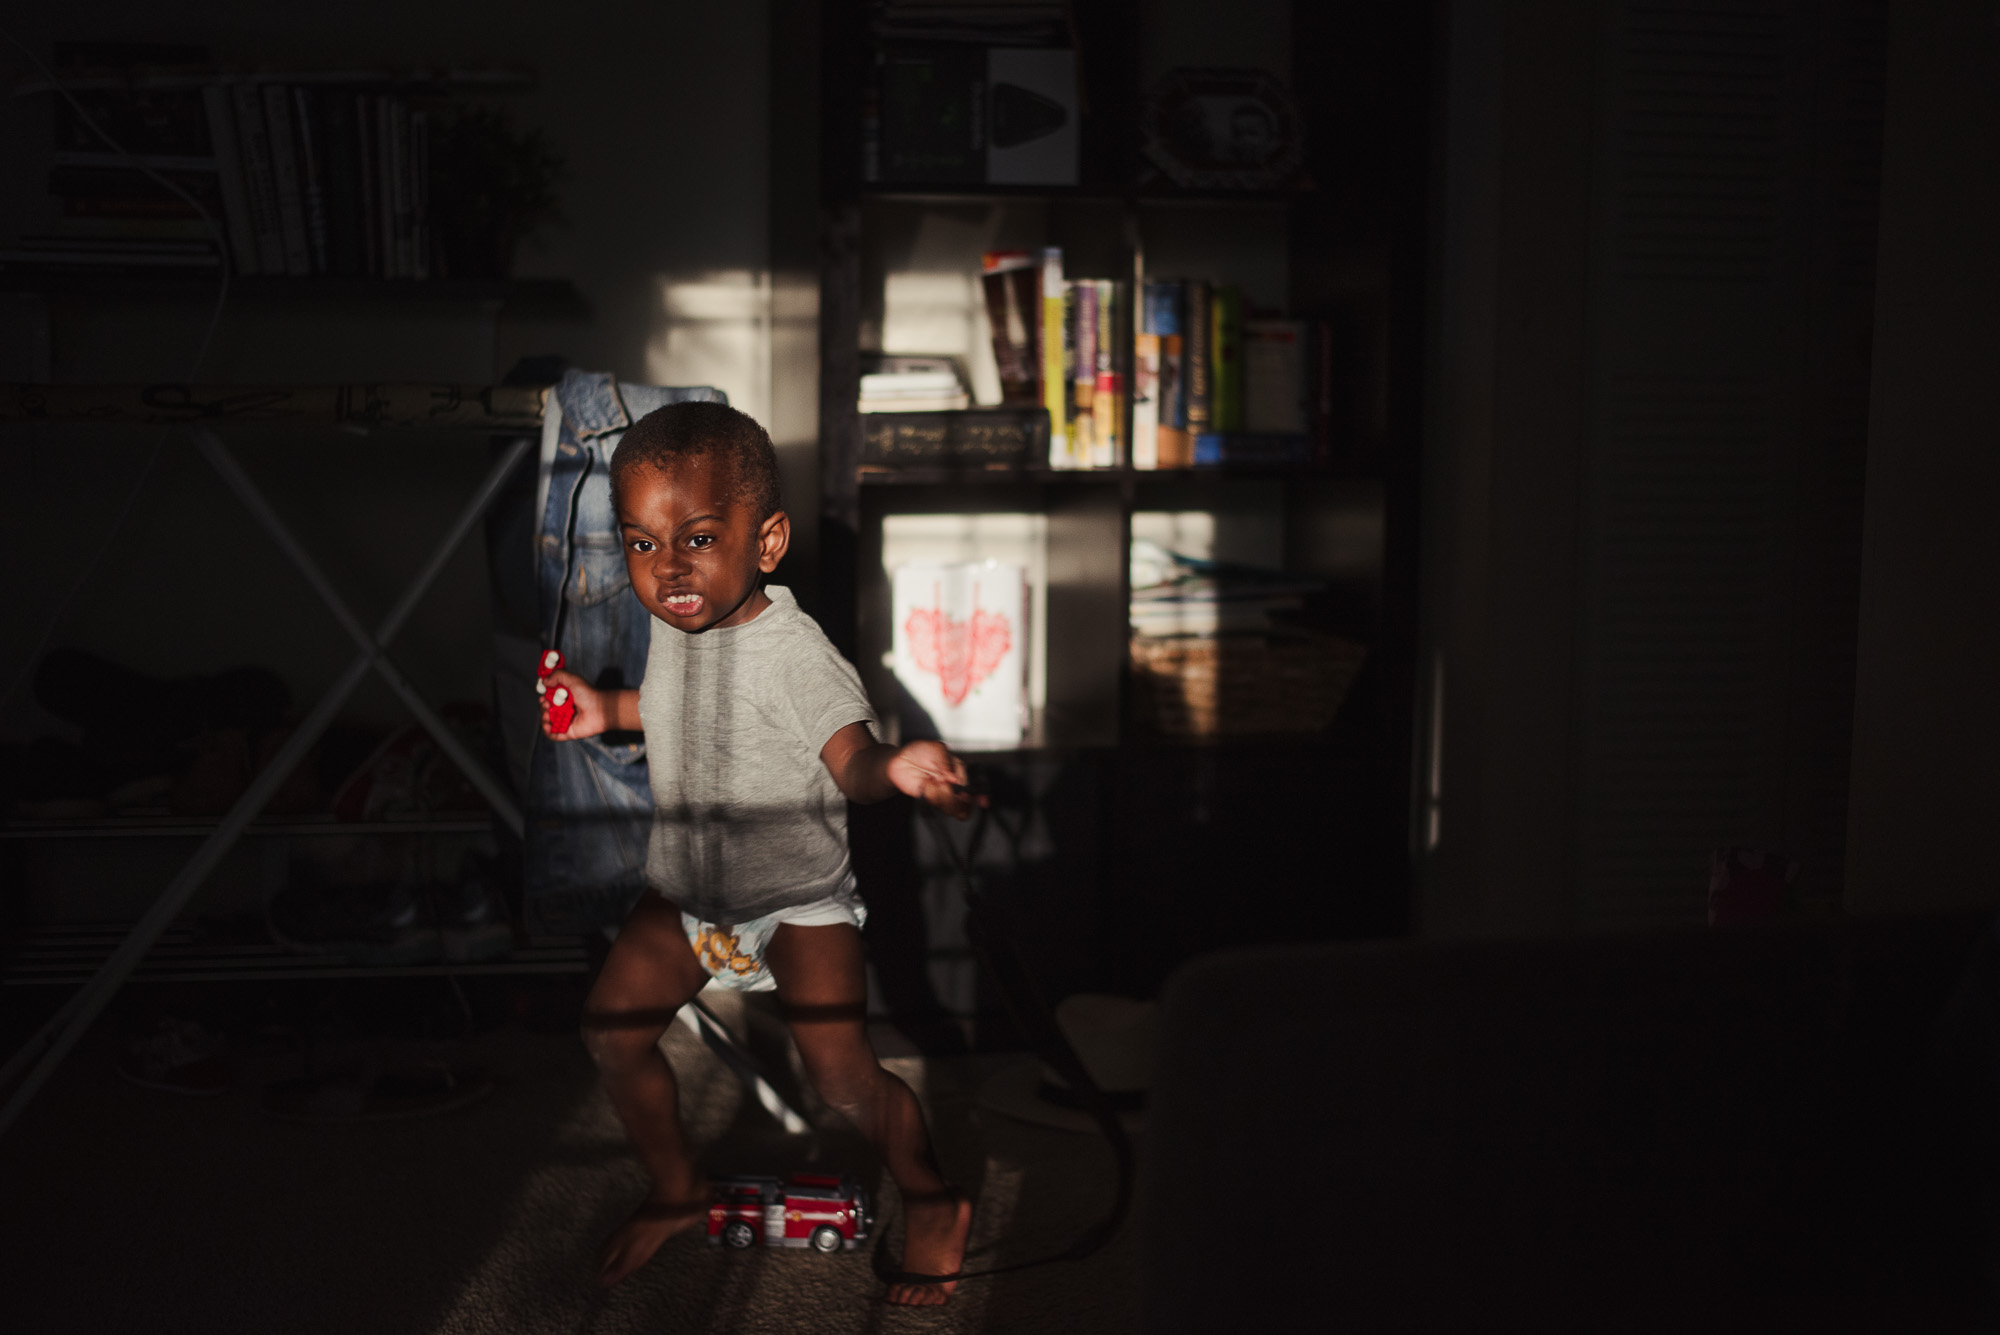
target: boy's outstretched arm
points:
(596, 711)
(868, 771)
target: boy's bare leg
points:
(650, 974)
(823, 985)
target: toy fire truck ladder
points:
(197, 410)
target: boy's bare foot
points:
(640, 1236)
(933, 1244)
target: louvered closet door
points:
(1731, 277)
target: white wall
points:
(1926, 777)
(661, 112)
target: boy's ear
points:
(774, 537)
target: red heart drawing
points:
(962, 653)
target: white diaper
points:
(733, 953)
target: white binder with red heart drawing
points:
(960, 648)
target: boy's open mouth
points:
(682, 604)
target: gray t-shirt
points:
(746, 819)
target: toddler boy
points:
(757, 736)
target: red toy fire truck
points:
(813, 1210)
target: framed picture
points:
(1219, 129)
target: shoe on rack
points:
(179, 1056)
(385, 924)
(401, 930)
(472, 918)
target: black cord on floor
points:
(1036, 1021)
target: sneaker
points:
(179, 1056)
(472, 918)
(381, 924)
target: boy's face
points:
(693, 549)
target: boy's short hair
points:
(680, 432)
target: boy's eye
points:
(641, 546)
(701, 540)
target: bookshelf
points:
(1320, 818)
(551, 297)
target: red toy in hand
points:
(562, 710)
(550, 661)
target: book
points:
(260, 184)
(396, 153)
(345, 255)
(287, 178)
(104, 259)
(1175, 447)
(1109, 400)
(1160, 317)
(975, 438)
(1160, 307)
(418, 169)
(1225, 360)
(932, 108)
(1055, 393)
(1145, 401)
(912, 391)
(1214, 449)
(1275, 376)
(312, 174)
(1009, 281)
(217, 102)
(1197, 320)
(368, 151)
(1082, 360)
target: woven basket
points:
(1241, 685)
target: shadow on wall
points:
(757, 341)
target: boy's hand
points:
(591, 707)
(930, 772)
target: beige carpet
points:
(129, 1210)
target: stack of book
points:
(1212, 386)
(1223, 650)
(1188, 380)
(1056, 342)
(914, 385)
(1174, 594)
(110, 254)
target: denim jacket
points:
(590, 806)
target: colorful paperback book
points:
(1175, 448)
(1145, 401)
(1108, 403)
(1225, 351)
(1083, 371)
(1213, 449)
(1013, 310)
(1198, 321)
(1055, 380)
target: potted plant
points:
(492, 185)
